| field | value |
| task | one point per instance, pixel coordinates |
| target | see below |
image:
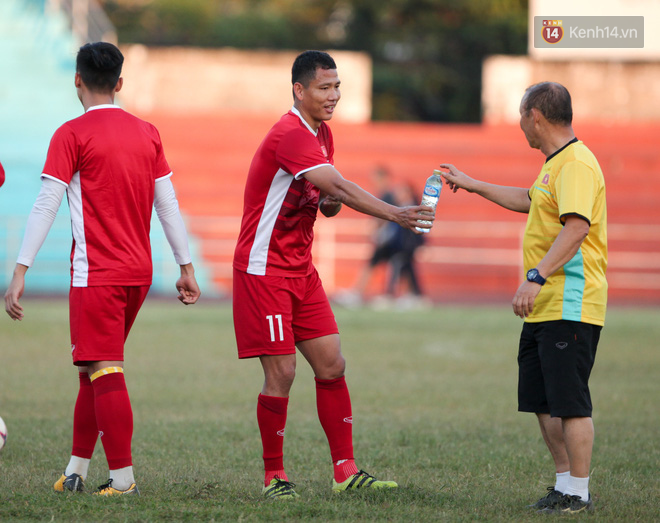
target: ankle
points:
(344, 469)
(272, 474)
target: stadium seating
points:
(473, 253)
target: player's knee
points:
(287, 375)
(335, 370)
(341, 366)
(280, 378)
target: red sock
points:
(333, 403)
(344, 469)
(85, 432)
(271, 416)
(271, 474)
(114, 418)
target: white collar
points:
(297, 113)
(103, 106)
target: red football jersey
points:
(109, 160)
(2, 175)
(279, 204)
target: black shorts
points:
(555, 359)
(382, 253)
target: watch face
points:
(534, 276)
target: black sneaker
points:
(549, 500)
(73, 482)
(569, 505)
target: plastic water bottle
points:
(431, 194)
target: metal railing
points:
(343, 245)
(462, 251)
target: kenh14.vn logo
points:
(552, 31)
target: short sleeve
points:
(299, 151)
(161, 167)
(576, 190)
(62, 160)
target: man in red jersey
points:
(279, 301)
(112, 167)
(2, 175)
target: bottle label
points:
(431, 191)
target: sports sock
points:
(578, 487)
(122, 478)
(85, 432)
(271, 474)
(114, 416)
(271, 417)
(561, 483)
(78, 466)
(333, 404)
(344, 469)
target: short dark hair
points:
(553, 101)
(305, 66)
(99, 65)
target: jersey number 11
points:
(271, 325)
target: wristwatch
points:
(534, 276)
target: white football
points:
(3, 433)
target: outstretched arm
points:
(332, 183)
(512, 198)
(167, 209)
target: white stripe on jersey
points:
(276, 194)
(80, 263)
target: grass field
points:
(434, 403)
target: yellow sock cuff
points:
(104, 371)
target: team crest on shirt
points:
(324, 151)
(546, 179)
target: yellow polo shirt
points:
(570, 182)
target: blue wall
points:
(37, 95)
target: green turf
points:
(434, 403)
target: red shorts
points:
(273, 313)
(100, 319)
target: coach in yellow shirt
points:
(564, 295)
